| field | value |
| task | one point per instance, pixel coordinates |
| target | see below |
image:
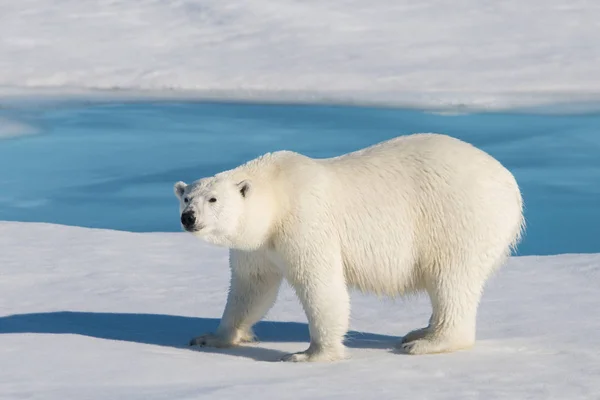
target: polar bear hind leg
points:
(455, 292)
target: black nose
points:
(188, 219)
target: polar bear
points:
(418, 213)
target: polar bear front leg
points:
(253, 290)
(320, 285)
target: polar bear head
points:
(224, 211)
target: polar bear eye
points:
(185, 200)
(212, 200)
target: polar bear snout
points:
(188, 220)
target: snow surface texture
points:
(434, 53)
(98, 314)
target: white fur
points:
(423, 212)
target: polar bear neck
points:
(269, 198)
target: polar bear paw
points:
(222, 341)
(433, 345)
(315, 355)
(415, 335)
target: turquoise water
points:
(113, 165)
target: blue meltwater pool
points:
(113, 165)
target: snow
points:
(95, 314)
(433, 53)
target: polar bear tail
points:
(520, 228)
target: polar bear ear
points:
(244, 187)
(179, 188)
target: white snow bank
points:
(428, 53)
(133, 301)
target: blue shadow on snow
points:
(173, 331)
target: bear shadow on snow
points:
(175, 331)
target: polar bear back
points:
(406, 206)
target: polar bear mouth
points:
(195, 228)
